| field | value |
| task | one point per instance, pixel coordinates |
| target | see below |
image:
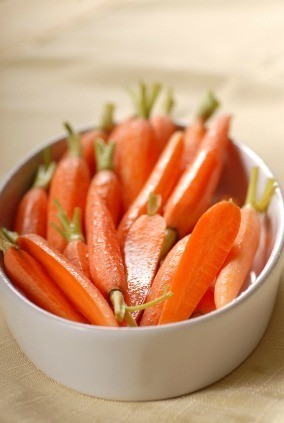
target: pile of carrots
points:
(122, 231)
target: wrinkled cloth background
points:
(62, 60)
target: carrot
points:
(136, 148)
(194, 191)
(162, 280)
(142, 251)
(30, 277)
(239, 261)
(163, 124)
(105, 183)
(161, 181)
(204, 254)
(76, 250)
(31, 214)
(69, 185)
(80, 291)
(195, 132)
(207, 303)
(106, 125)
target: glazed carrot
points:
(31, 214)
(69, 185)
(106, 264)
(161, 181)
(105, 126)
(76, 250)
(142, 250)
(239, 261)
(195, 132)
(194, 191)
(105, 182)
(30, 277)
(80, 291)
(207, 303)
(204, 254)
(163, 279)
(136, 149)
(163, 124)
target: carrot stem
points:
(170, 239)
(144, 98)
(154, 203)
(10, 236)
(129, 319)
(152, 96)
(71, 229)
(73, 141)
(44, 175)
(169, 102)
(208, 106)
(104, 153)
(106, 120)
(167, 294)
(251, 198)
(117, 300)
(5, 242)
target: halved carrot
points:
(163, 279)
(161, 181)
(194, 191)
(142, 250)
(69, 185)
(103, 130)
(30, 277)
(31, 214)
(105, 182)
(163, 124)
(136, 149)
(80, 291)
(239, 261)
(204, 254)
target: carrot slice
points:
(205, 252)
(78, 289)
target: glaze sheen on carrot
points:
(204, 254)
(142, 250)
(161, 181)
(194, 191)
(239, 261)
(69, 185)
(163, 279)
(80, 291)
(30, 277)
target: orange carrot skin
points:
(108, 187)
(161, 181)
(195, 189)
(30, 277)
(193, 136)
(87, 143)
(142, 251)
(80, 291)
(77, 252)
(136, 153)
(207, 303)
(163, 278)
(164, 127)
(238, 263)
(69, 186)
(106, 264)
(204, 254)
(32, 213)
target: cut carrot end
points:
(208, 106)
(154, 203)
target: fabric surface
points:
(62, 60)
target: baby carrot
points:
(31, 214)
(106, 125)
(142, 251)
(207, 303)
(163, 124)
(105, 182)
(194, 191)
(161, 181)
(69, 185)
(204, 254)
(238, 263)
(76, 250)
(30, 277)
(195, 132)
(162, 280)
(80, 291)
(136, 149)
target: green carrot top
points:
(251, 199)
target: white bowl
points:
(148, 363)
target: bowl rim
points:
(244, 296)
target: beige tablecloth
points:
(61, 60)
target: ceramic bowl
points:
(149, 363)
